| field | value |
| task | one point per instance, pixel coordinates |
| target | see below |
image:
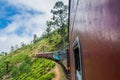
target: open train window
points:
(77, 59)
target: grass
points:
(21, 65)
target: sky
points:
(21, 19)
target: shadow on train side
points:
(60, 56)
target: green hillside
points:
(20, 64)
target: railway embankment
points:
(59, 73)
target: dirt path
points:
(59, 73)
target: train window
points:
(77, 60)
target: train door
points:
(77, 59)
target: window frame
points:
(75, 45)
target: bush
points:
(14, 72)
(24, 68)
(2, 69)
(48, 76)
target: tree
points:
(16, 46)
(22, 44)
(48, 30)
(12, 48)
(34, 38)
(59, 19)
(5, 53)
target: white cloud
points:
(12, 40)
(39, 5)
(2, 39)
(32, 24)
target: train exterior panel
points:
(94, 37)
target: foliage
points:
(21, 64)
(23, 67)
(48, 76)
(35, 38)
(2, 69)
(59, 19)
(48, 30)
(38, 69)
(14, 72)
(12, 48)
(17, 58)
(60, 12)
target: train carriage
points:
(94, 39)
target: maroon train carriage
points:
(48, 55)
(94, 39)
